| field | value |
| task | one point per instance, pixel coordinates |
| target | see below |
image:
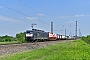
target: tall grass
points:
(76, 50)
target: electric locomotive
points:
(36, 35)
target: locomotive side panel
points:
(36, 35)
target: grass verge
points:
(76, 50)
(12, 42)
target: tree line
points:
(19, 37)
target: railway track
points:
(12, 48)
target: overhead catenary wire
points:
(34, 11)
(28, 6)
(14, 18)
(15, 10)
(17, 19)
(21, 13)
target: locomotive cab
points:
(29, 35)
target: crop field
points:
(75, 50)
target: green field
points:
(76, 50)
(12, 42)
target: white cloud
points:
(62, 17)
(40, 14)
(32, 18)
(65, 16)
(8, 19)
(70, 22)
(81, 15)
(1, 6)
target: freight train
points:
(40, 35)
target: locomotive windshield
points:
(29, 32)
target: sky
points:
(17, 16)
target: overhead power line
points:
(33, 10)
(19, 19)
(20, 13)
(28, 6)
(14, 18)
(15, 10)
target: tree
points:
(21, 36)
(6, 38)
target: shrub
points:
(21, 37)
(86, 39)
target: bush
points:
(86, 39)
(21, 37)
(5, 38)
